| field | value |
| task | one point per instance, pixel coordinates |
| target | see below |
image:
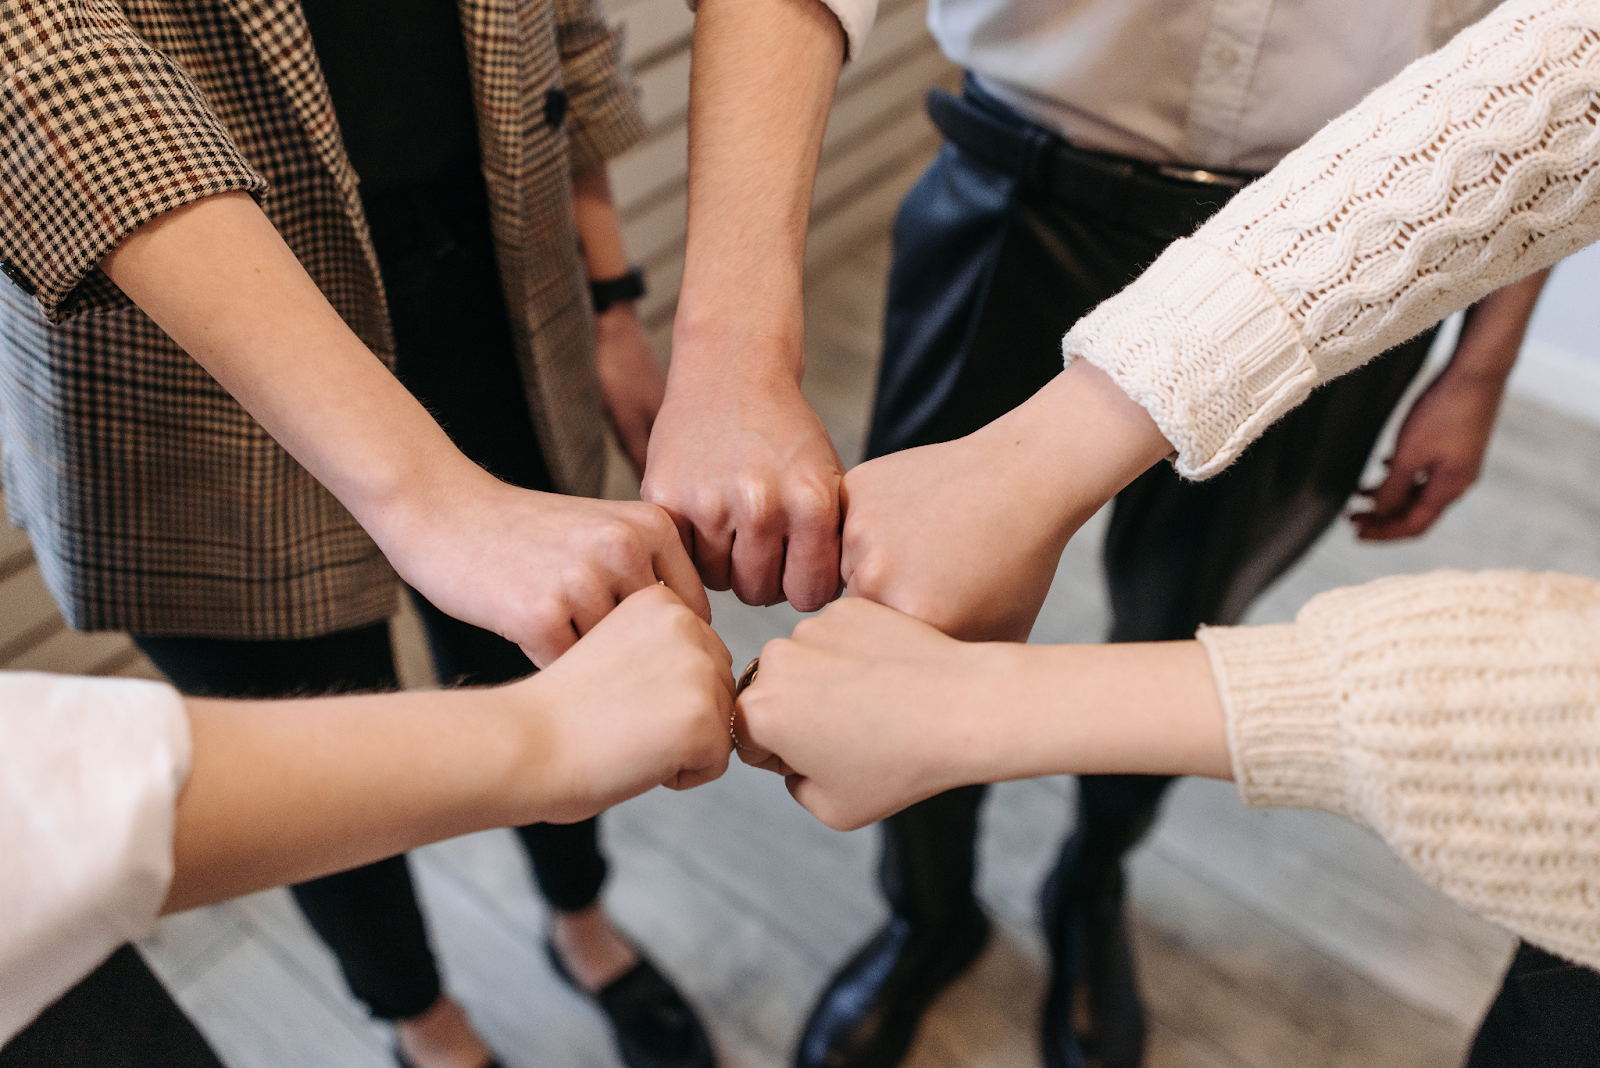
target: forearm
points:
(1492, 333)
(285, 791)
(761, 83)
(1073, 446)
(219, 279)
(1130, 709)
(605, 254)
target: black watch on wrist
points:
(617, 290)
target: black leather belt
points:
(1165, 201)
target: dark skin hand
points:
(1442, 442)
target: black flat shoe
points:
(868, 1014)
(653, 1025)
(1087, 930)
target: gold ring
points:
(745, 680)
(748, 677)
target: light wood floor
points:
(1266, 938)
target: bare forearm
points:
(285, 791)
(1492, 334)
(1134, 709)
(219, 279)
(763, 77)
(605, 255)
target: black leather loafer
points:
(653, 1025)
(868, 1014)
(1087, 931)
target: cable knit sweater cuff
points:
(1200, 343)
(1284, 732)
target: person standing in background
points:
(478, 134)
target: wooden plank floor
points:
(1266, 938)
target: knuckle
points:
(871, 577)
(812, 503)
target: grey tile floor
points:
(1266, 938)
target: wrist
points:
(1073, 446)
(995, 751)
(522, 752)
(752, 341)
(402, 506)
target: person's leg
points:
(1547, 1015)
(119, 1015)
(454, 350)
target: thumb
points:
(1398, 488)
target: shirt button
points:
(555, 108)
(1227, 57)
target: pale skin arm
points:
(631, 379)
(539, 569)
(1443, 440)
(282, 791)
(866, 710)
(738, 457)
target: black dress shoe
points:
(653, 1025)
(868, 1015)
(1087, 931)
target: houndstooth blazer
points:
(155, 504)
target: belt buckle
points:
(1199, 177)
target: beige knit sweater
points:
(1457, 715)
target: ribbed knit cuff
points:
(1200, 343)
(1282, 709)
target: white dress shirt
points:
(1216, 84)
(90, 771)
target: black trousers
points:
(454, 351)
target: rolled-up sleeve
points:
(99, 133)
(603, 119)
(90, 771)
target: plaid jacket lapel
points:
(277, 30)
(493, 55)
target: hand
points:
(746, 470)
(865, 711)
(539, 569)
(1436, 458)
(642, 701)
(948, 534)
(966, 535)
(631, 381)
(1442, 441)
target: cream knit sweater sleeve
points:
(1458, 715)
(1472, 168)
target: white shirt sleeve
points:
(856, 16)
(90, 771)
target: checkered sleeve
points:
(603, 117)
(99, 133)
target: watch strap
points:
(611, 291)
